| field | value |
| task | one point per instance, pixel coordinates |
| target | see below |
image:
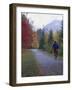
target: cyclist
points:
(55, 48)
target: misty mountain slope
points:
(56, 25)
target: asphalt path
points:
(47, 64)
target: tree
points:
(61, 39)
(35, 43)
(39, 32)
(50, 37)
(46, 40)
(61, 33)
(26, 33)
(42, 41)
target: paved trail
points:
(47, 64)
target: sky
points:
(40, 20)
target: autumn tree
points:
(35, 43)
(46, 40)
(26, 33)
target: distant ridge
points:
(55, 25)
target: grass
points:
(29, 64)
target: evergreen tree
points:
(50, 37)
(42, 42)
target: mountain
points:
(55, 25)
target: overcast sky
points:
(40, 20)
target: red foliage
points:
(26, 34)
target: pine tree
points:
(42, 41)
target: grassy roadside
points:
(29, 64)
